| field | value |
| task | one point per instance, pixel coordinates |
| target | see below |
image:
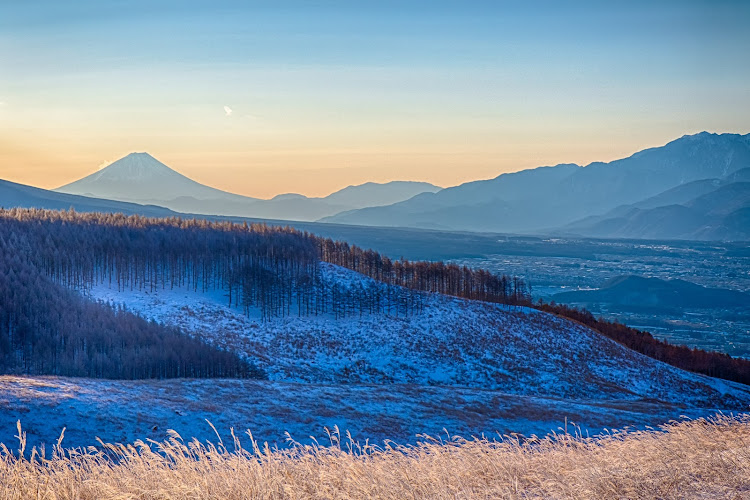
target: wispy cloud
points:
(227, 110)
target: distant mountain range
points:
(696, 187)
(559, 199)
(638, 292)
(709, 209)
(22, 196)
(141, 178)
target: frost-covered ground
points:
(466, 366)
(452, 342)
(123, 411)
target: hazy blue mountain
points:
(698, 210)
(738, 222)
(141, 178)
(284, 208)
(534, 200)
(675, 196)
(373, 194)
(22, 196)
(639, 292)
(738, 176)
(681, 194)
(670, 222)
(473, 206)
(724, 200)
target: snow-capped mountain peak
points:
(135, 166)
(141, 178)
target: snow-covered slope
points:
(139, 177)
(465, 366)
(452, 342)
(123, 411)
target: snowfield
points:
(454, 342)
(465, 366)
(123, 411)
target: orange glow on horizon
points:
(316, 172)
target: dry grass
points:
(706, 458)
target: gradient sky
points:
(327, 94)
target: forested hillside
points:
(48, 328)
(269, 268)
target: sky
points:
(262, 98)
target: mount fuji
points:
(141, 178)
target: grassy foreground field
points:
(704, 458)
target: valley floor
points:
(554, 265)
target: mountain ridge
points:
(543, 200)
(22, 196)
(141, 178)
(555, 196)
(703, 209)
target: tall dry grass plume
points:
(705, 458)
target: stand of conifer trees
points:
(46, 328)
(275, 270)
(437, 277)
